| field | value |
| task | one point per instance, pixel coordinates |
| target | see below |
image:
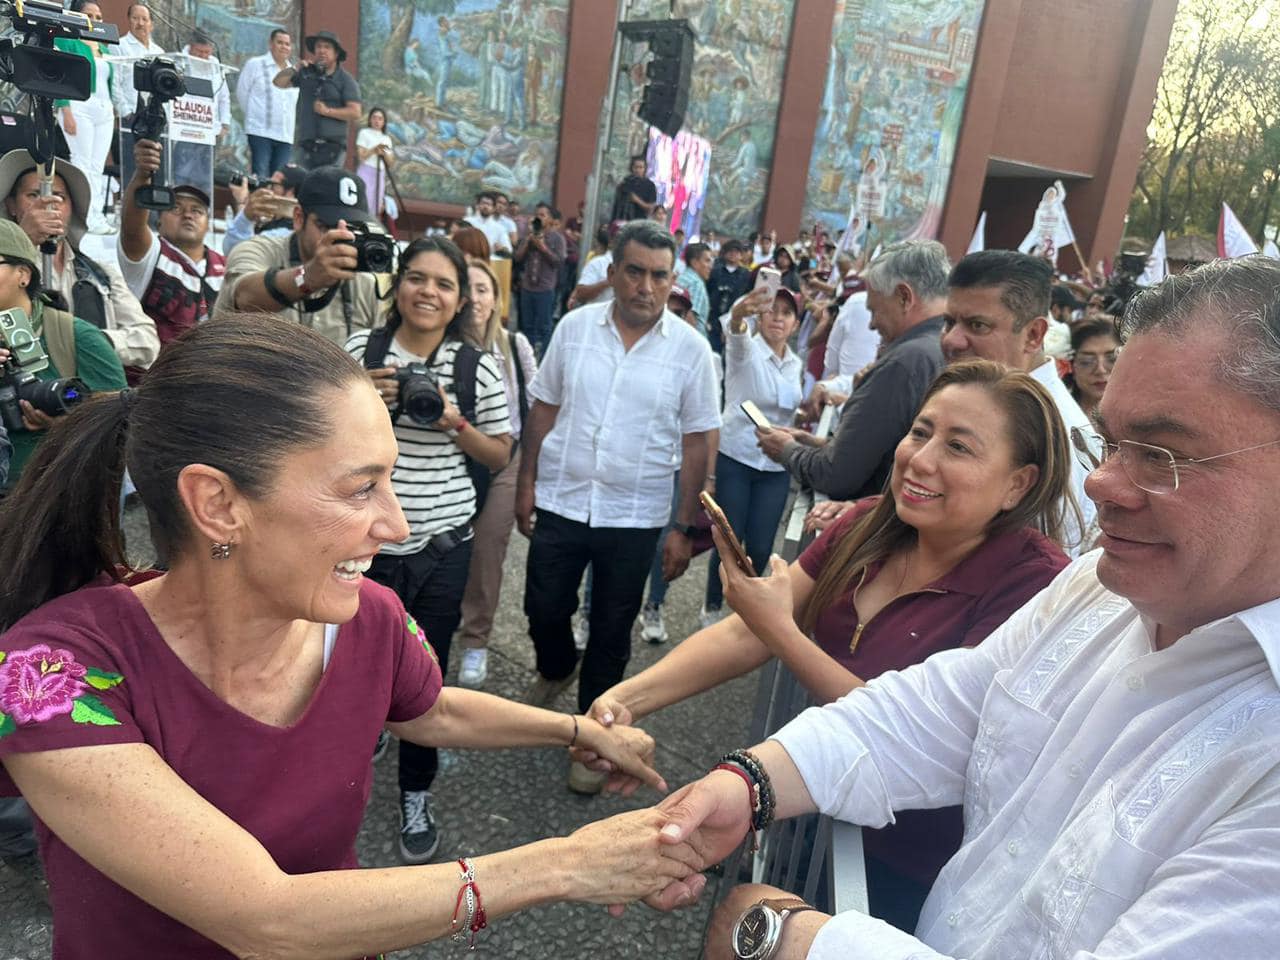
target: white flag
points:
(979, 241)
(1271, 250)
(1157, 268)
(1233, 238)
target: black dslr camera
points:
(375, 250)
(225, 175)
(159, 81)
(419, 395)
(18, 380)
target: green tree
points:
(1215, 126)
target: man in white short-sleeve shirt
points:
(1116, 743)
(625, 395)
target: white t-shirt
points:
(430, 477)
(494, 232)
(369, 138)
(595, 271)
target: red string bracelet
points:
(752, 800)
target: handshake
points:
(655, 855)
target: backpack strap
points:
(376, 347)
(60, 337)
(466, 362)
(520, 384)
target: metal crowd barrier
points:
(814, 857)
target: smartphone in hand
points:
(770, 277)
(738, 551)
(754, 415)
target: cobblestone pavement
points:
(488, 801)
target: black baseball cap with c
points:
(334, 194)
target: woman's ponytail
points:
(60, 526)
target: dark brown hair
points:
(237, 393)
(1037, 436)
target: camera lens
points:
(168, 83)
(54, 397)
(420, 399)
(379, 256)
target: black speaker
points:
(666, 96)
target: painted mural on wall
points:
(740, 58)
(472, 90)
(890, 115)
(240, 29)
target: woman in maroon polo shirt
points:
(963, 537)
(197, 745)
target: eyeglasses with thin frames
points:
(1090, 361)
(1148, 467)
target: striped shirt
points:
(430, 476)
(175, 292)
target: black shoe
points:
(418, 835)
(380, 748)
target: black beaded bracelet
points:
(766, 802)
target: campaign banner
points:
(1233, 238)
(191, 120)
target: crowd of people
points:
(1037, 617)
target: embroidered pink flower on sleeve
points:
(40, 683)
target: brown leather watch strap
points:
(791, 904)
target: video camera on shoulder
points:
(33, 64)
(18, 380)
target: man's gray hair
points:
(647, 233)
(1243, 296)
(921, 264)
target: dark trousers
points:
(320, 153)
(558, 553)
(537, 309)
(753, 501)
(267, 155)
(430, 584)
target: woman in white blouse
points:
(376, 155)
(760, 367)
(493, 524)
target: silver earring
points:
(221, 551)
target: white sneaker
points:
(652, 628)
(581, 633)
(709, 615)
(474, 669)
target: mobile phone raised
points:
(754, 415)
(770, 277)
(735, 545)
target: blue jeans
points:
(753, 501)
(268, 155)
(658, 586)
(537, 308)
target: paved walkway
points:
(488, 801)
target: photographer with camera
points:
(96, 291)
(321, 274)
(449, 407)
(541, 253)
(328, 99)
(48, 358)
(175, 275)
(263, 209)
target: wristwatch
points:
(758, 931)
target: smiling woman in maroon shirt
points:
(965, 536)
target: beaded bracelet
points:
(475, 918)
(764, 800)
